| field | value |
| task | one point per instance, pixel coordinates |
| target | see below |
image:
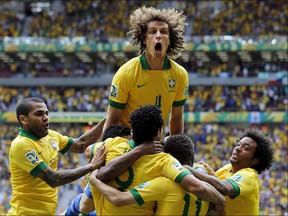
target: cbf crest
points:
(171, 84)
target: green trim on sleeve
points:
(92, 149)
(179, 103)
(137, 196)
(117, 105)
(236, 188)
(180, 177)
(67, 147)
(36, 170)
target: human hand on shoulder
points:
(208, 168)
(99, 157)
(151, 147)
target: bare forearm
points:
(212, 180)
(118, 166)
(57, 178)
(92, 135)
(79, 145)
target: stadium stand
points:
(236, 56)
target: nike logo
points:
(139, 86)
(39, 152)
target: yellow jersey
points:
(247, 196)
(134, 85)
(145, 168)
(28, 156)
(171, 198)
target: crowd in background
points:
(97, 21)
(213, 143)
(200, 99)
(73, 67)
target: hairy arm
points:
(223, 186)
(119, 165)
(176, 123)
(116, 197)
(56, 178)
(204, 191)
(80, 144)
(113, 117)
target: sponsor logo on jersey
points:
(141, 85)
(237, 177)
(143, 185)
(113, 91)
(32, 157)
(178, 166)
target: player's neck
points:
(155, 63)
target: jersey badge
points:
(237, 177)
(143, 185)
(113, 91)
(178, 166)
(53, 145)
(32, 157)
(172, 83)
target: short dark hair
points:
(24, 106)
(145, 123)
(264, 151)
(115, 130)
(181, 147)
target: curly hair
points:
(181, 147)
(176, 21)
(145, 122)
(115, 130)
(264, 151)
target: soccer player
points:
(146, 124)
(33, 159)
(171, 198)
(238, 181)
(153, 77)
(83, 203)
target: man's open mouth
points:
(158, 46)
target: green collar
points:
(145, 65)
(24, 133)
(132, 143)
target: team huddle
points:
(135, 169)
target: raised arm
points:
(176, 123)
(80, 144)
(56, 178)
(115, 196)
(223, 186)
(119, 165)
(113, 117)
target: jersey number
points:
(198, 203)
(158, 101)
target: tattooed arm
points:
(80, 144)
(56, 178)
(119, 165)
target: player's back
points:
(145, 168)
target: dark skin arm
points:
(56, 178)
(223, 186)
(119, 165)
(80, 144)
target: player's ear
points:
(255, 161)
(23, 119)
